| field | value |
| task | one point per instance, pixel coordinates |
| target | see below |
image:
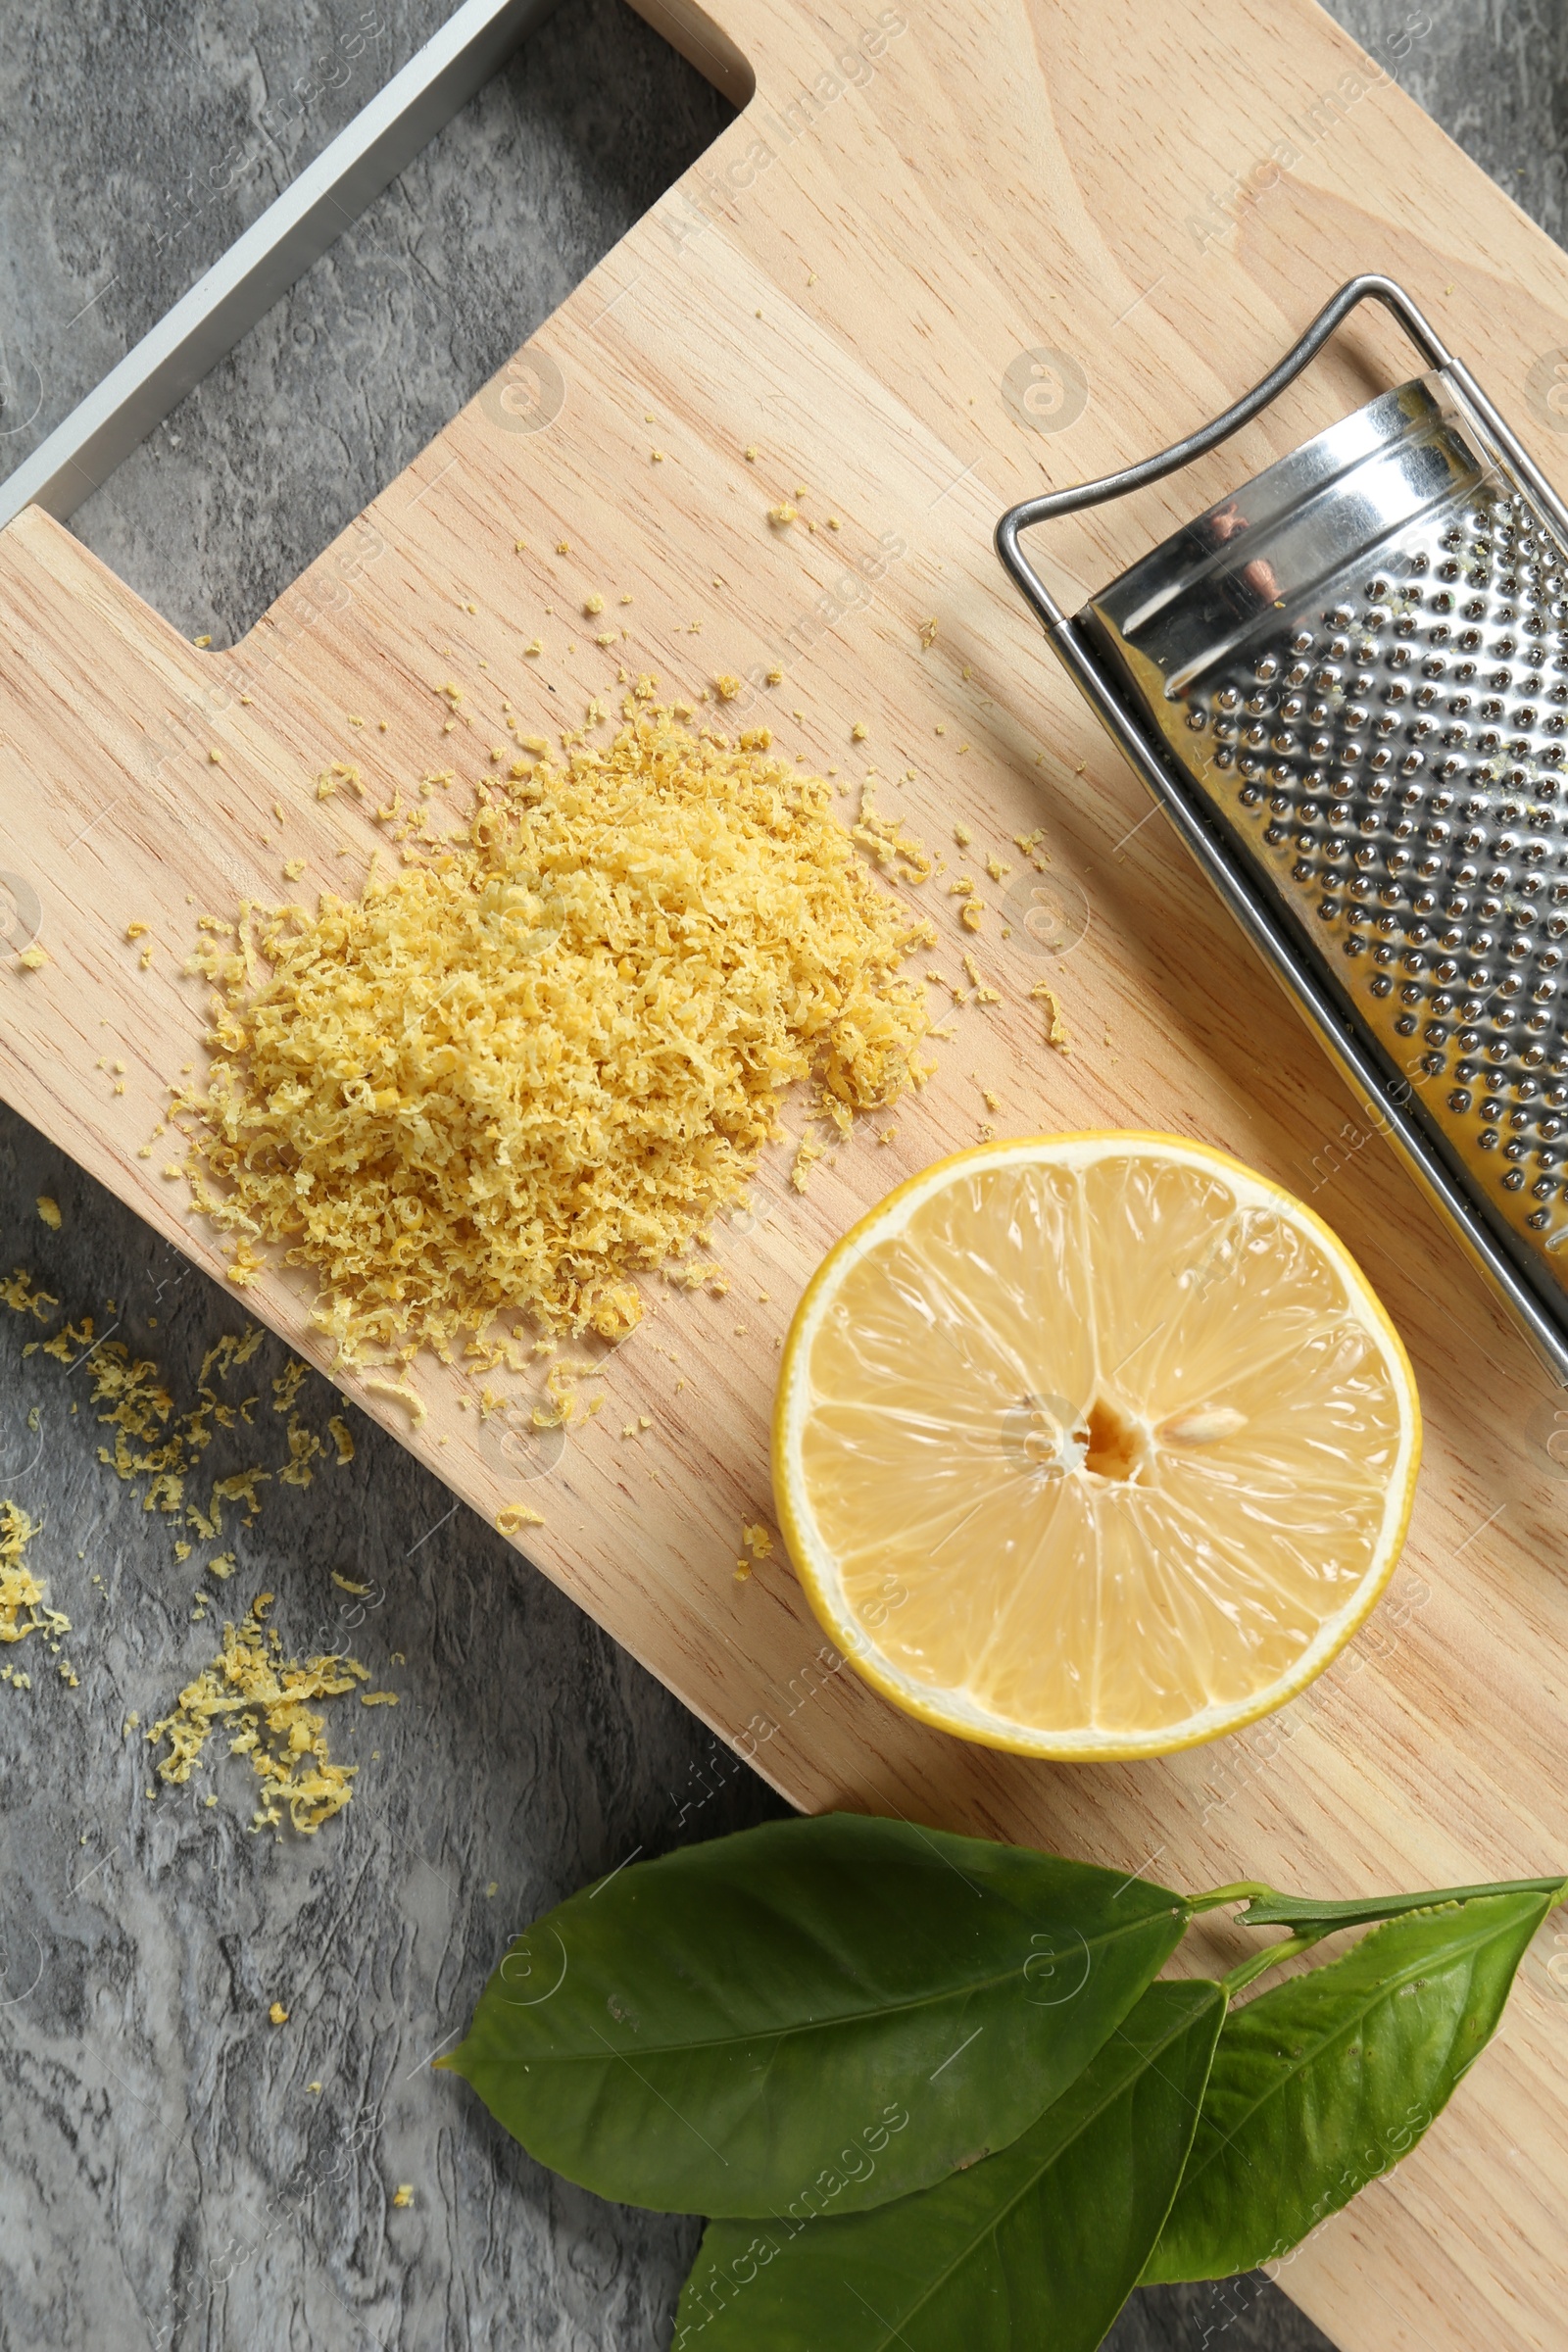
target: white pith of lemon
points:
(1093, 1445)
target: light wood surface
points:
(911, 203)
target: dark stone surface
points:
(167, 2177)
(110, 210)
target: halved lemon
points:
(1093, 1445)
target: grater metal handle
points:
(1369, 287)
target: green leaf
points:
(1306, 1911)
(1322, 2082)
(841, 2008)
(1035, 2250)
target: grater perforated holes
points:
(1396, 767)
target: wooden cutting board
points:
(944, 256)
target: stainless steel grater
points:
(1348, 683)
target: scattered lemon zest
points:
(266, 1699)
(1055, 1027)
(807, 1151)
(514, 1516)
(18, 1293)
(399, 1394)
(23, 1609)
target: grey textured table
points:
(168, 2174)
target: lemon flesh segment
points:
(1093, 1445)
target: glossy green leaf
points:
(1358, 1911)
(1033, 2250)
(843, 2008)
(1325, 2080)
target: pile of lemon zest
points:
(540, 1059)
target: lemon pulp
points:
(1093, 1445)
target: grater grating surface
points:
(1347, 685)
(1392, 756)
